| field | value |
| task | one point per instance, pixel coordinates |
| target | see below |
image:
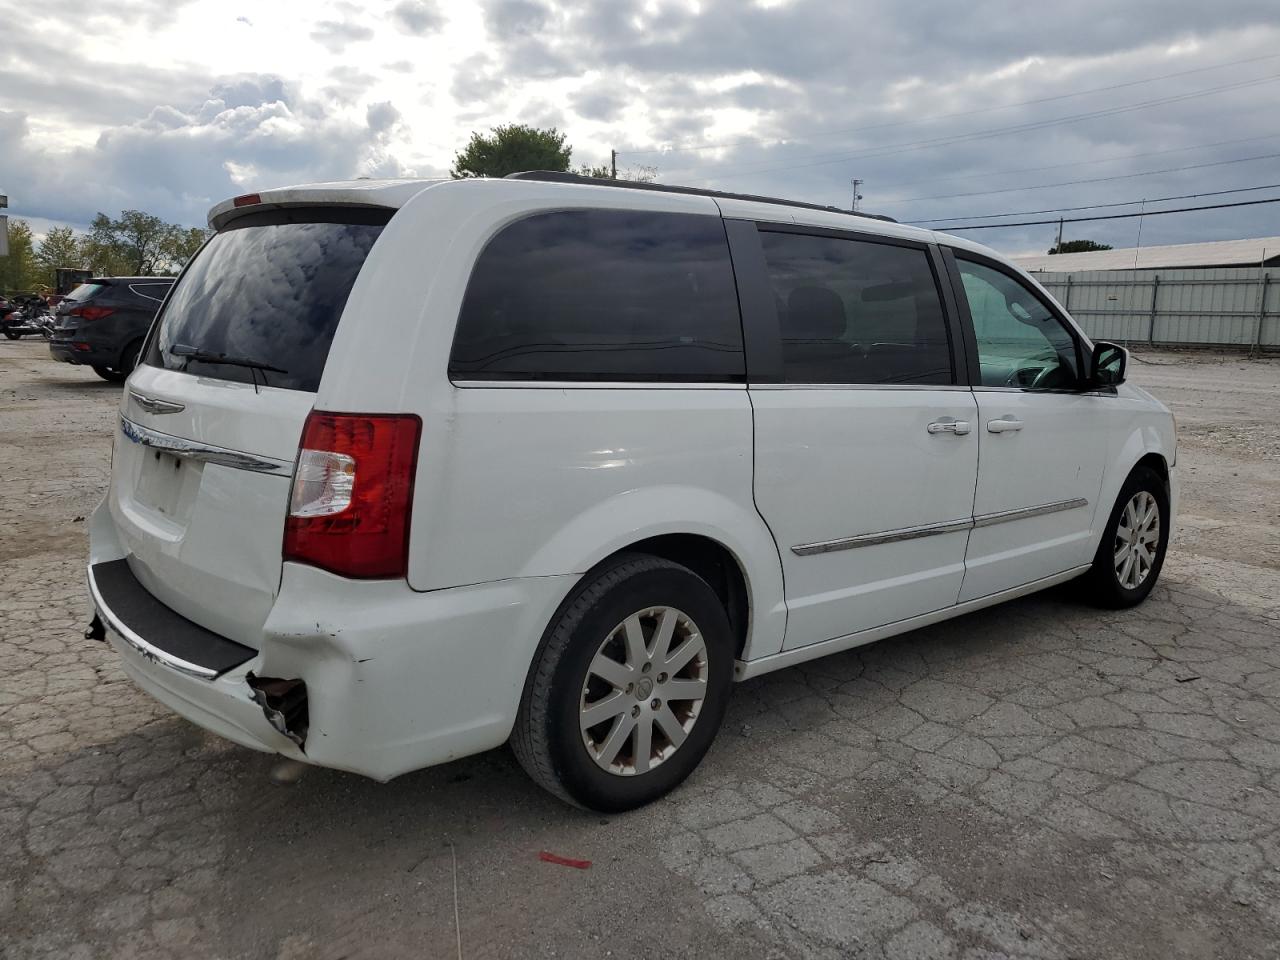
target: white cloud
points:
(176, 104)
(417, 16)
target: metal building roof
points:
(1220, 253)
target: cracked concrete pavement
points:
(1039, 780)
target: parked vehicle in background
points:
(102, 322)
(67, 279)
(27, 315)
(412, 469)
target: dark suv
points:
(103, 322)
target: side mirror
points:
(1107, 365)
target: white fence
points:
(1218, 306)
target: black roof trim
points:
(556, 176)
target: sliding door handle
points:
(1005, 424)
(950, 425)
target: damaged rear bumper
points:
(196, 672)
(224, 706)
(371, 677)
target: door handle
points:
(950, 425)
(1005, 424)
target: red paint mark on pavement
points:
(563, 861)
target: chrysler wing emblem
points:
(156, 405)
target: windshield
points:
(269, 288)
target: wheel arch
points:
(728, 546)
(1143, 446)
(713, 562)
(1156, 463)
(134, 344)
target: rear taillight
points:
(352, 495)
(91, 313)
(247, 200)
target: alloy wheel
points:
(643, 691)
(1137, 540)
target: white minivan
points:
(410, 469)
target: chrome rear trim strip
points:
(148, 650)
(1004, 516)
(204, 452)
(888, 536)
(934, 529)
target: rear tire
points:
(1131, 553)
(111, 374)
(644, 648)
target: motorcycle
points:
(28, 315)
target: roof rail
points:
(556, 176)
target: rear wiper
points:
(189, 353)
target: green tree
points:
(138, 244)
(181, 245)
(59, 248)
(1078, 246)
(135, 241)
(19, 272)
(511, 148)
(100, 253)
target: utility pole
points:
(1138, 248)
(1059, 246)
(857, 193)
(4, 227)
(613, 163)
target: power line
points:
(1073, 183)
(948, 116)
(1097, 206)
(1082, 163)
(1113, 216)
(893, 149)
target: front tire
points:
(1131, 554)
(629, 685)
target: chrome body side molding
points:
(934, 529)
(1004, 516)
(204, 452)
(888, 536)
(746, 669)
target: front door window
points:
(1020, 342)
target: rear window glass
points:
(268, 290)
(602, 295)
(86, 291)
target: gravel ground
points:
(1039, 780)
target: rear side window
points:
(853, 311)
(602, 295)
(267, 290)
(151, 291)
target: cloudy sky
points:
(945, 110)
